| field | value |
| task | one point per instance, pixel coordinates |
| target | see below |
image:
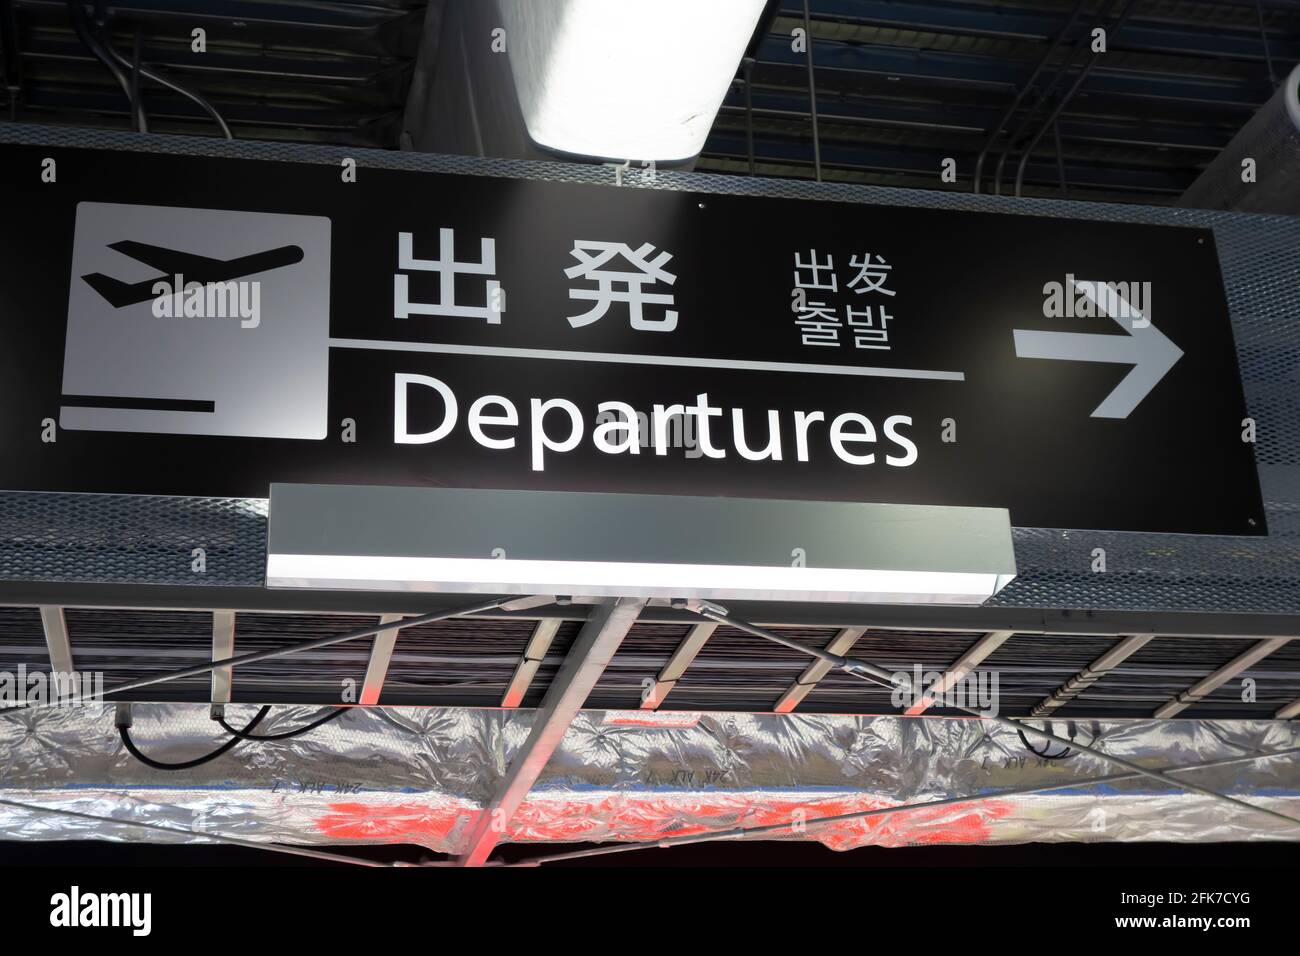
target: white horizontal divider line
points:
(623, 358)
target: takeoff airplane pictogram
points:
(195, 268)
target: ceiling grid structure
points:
(459, 663)
(329, 71)
(902, 86)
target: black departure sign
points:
(180, 325)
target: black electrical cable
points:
(85, 32)
(1045, 752)
(284, 735)
(125, 734)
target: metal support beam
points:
(1290, 711)
(56, 640)
(815, 671)
(691, 645)
(597, 641)
(223, 647)
(543, 633)
(1081, 681)
(1202, 688)
(985, 646)
(381, 653)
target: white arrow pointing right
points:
(1144, 347)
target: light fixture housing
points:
(623, 80)
(478, 541)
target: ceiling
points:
(298, 70)
(901, 84)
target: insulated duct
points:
(1272, 140)
(422, 775)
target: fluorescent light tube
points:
(605, 545)
(614, 79)
(612, 579)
